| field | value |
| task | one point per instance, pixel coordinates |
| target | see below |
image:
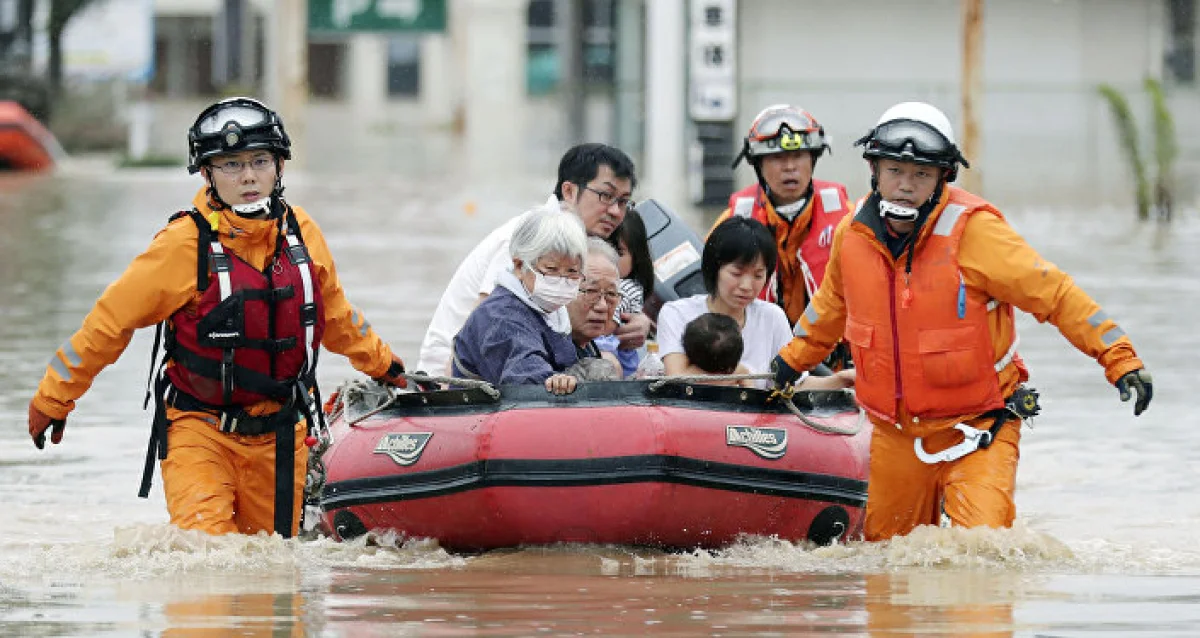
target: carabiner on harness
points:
(973, 439)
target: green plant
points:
(1127, 131)
(1166, 150)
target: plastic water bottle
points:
(651, 365)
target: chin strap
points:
(259, 208)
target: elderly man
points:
(592, 312)
(521, 332)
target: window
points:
(404, 65)
(542, 70)
(1180, 60)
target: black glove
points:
(1137, 381)
(784, 375)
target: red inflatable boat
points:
(25, 145)
(676, 466)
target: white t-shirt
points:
(476, 276)
(767, 330)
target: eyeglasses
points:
(608, 199)
(591, 295)
(235, 167)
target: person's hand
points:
(784, 374)
(39, 422)
(561, 384)
(1137, 381)
(395, 374)
(633, 330)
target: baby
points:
(713, 345)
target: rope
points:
(821, 427)
(704, 378)
(787, 399)
(367, 388)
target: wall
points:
(1047, 137)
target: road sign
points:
(376, 15)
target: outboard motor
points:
(675, 249)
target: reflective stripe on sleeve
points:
(945, 223)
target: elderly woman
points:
(521, 333)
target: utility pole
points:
(972, 93)
(571, 27)
(288, 71)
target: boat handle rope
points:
(483, 386)
(786, 399)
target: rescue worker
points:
(923, 281)
(783, 146)
(247, 291)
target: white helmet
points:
(915, 132)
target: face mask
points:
(552, 293)
(790, 211)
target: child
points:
(636, 268)
(713, 345)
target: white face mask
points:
(896, 212)
(552, 293)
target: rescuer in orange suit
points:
(923, 281)
(783, 145)
(245, 290)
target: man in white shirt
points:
(595, 182)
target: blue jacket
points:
(506, 341)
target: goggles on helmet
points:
(911, 141)
(233, 125)
(782, 131)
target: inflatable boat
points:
(25, 145)
(653, 463)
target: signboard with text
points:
(376, 15)
(712, 95)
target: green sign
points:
(376, 15)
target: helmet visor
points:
(922, 139)
(245, 117)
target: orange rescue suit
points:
(934, 346)
(162, 281)
(803, 243)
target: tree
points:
(61, 12)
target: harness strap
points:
(157, 447)
(250, 380)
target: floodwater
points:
(1106, 541)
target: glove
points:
(395, 374)
(784, 375)
(39, 422)
(1137, 381)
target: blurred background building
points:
(674, 82)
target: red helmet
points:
(782, 128)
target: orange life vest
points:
(921, 340)
(828, 205)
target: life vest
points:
(828, 205)
(252, 335)
(921, 340)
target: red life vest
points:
(253, 334)
(828, 205)
(922, 341)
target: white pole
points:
(666, 115)
(288, 71)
